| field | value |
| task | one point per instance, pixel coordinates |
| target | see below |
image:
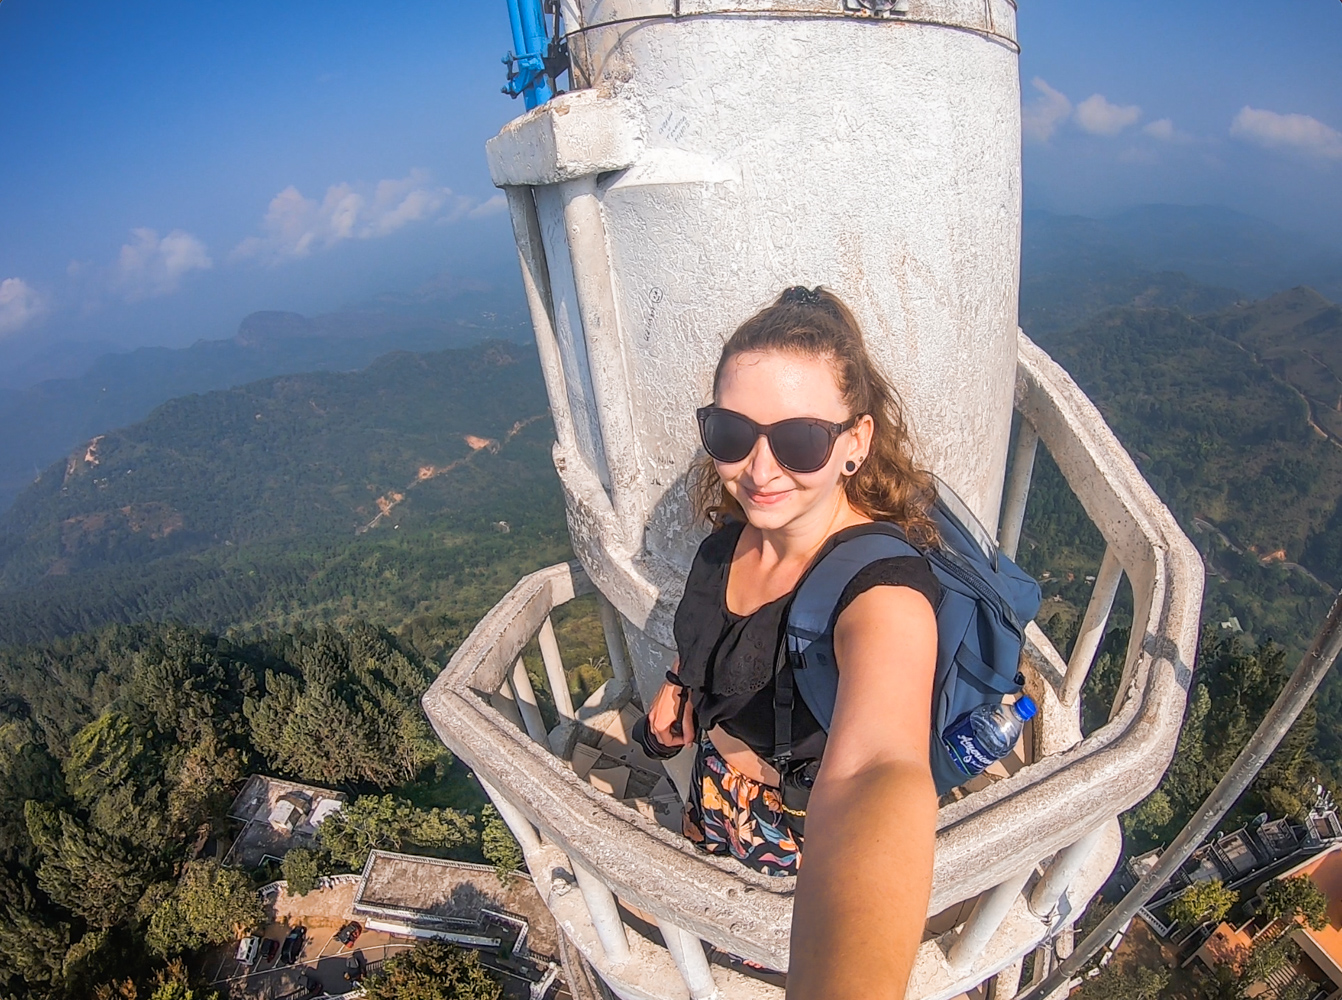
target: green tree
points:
(103, 756)
(384, 822)
(346, 710)
(113, 774)
(88, 957)
(1267, 960)
(1153, 814)
(1202, 902)
(211, 905)
(1289, 898)
(435, 970)
(27, 771)
(177, 990)
(1244, 979)
(32, 947)
(89, 872)
(302, 868)
(1125, 982)
(201, 781)
(498, 844)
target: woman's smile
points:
(766, 498)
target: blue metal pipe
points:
(515, 20)
(531, 44)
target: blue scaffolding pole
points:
(527, 76)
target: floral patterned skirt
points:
(729, 813)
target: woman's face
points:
(770, 386)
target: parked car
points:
(269, 949)
(293, 945)
(248, 949)
(354, 968)
(348, 934)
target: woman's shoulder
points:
(912, 571)
(720, 545)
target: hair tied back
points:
(800, 295)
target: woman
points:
(777, 487)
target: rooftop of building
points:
(429, 892)
(259, 838)
(1325, 870)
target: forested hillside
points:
(1228, 441)
(121, 750)
(267, 577)
(346, 530)
(44, 420)
(420, 485)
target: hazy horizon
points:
(180, 167)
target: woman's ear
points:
(859, 441)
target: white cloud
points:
(148, 267)
(1295, 133)
(19, 305)
(1162, 129)
(1042, 116)
(295, 226)
(1098, 117)
(490, 206)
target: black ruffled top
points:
(727, 660)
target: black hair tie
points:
(799, 295)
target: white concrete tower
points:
(722, 150)
(712, 153)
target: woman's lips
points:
(763, 499)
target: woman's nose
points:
(761, 464)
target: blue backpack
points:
(986, 601)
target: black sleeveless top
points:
(727, 660)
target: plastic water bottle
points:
(986, 734)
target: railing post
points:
(1018, 488)
(1092, 626)
(988, 914)
(605, 914)
(554, 672)
(1006, 984)
(1043, 964)
(1060, 873)
(525, 695)
(610, 625)
(688, 953)
(527, 837)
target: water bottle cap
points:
(1026, 708)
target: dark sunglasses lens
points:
(727, 437)
(800, 445)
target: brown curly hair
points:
(889, 485)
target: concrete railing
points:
(1016, 861)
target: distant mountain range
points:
(43, 421)
(403, 485)
(1197, 259)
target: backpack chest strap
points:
(808, 643)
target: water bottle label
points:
(965, 752)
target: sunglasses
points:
(799, 444)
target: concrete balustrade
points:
(1018, 488)
(1019, 847)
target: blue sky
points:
(169, 167)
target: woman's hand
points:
(671, 716)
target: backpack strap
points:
(805, 659)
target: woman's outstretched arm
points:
(866, 870)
